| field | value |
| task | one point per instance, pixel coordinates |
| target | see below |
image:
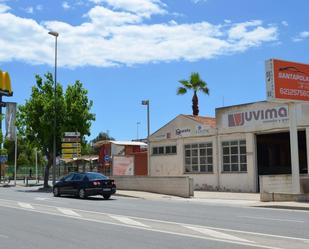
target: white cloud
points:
(285, 23)
(4, 8)
(141, 7)
(29, 10)
(199, 1)
(105, 17)
(301, 36)
(66, 5)
(113, 38)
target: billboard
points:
(10, 118)
(123, 165)
(287, 81)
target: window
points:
(77, 177)
(198, 158)
(164, 150)
(96, 176)
(68, 177)
(170, 149)
(234, 156)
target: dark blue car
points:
(84, 185)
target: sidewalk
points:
(224, 198)
(209, 197)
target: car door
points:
(67, 184)
(76, 183)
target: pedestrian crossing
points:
(221, 235)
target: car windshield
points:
(96, 176)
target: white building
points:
(231, 152)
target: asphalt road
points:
(30, 219)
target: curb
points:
(284, 207)
(130, 196)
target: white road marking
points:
(4, 236)
(128, 221)
(25, 205)
(217, 234)
(41, 198)
(69, 212)
(12, 204)
(263, 218)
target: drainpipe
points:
(217, 159)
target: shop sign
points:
(182, 132)
(159, 137)
(277, 114)
(287, 81)
(201, 130)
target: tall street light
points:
(146, 102)
(137, 124)
(55, 34)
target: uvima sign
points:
(258, 116)
(287, 80)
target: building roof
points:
(82, 158)
(132, 143)
(203, 120)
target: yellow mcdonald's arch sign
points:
(5, 84)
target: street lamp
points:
(137, 124)
(146, 102)
(55, 34)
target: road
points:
(35, 220)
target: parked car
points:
(84, 185)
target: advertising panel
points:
(287, 81)
(10, 118)
(123, 165)
(259, 116)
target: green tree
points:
(102, 136)
(35, 119)
(196, 84)
(24, 147)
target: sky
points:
(125, 51)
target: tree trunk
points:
(195, 104)
(46, 172)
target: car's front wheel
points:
(106, 196)
(56, 192)
(81, 194)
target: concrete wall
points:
(276, 184)
(177, 186)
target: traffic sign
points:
(70, 139)
(3, 158)
(72, 134)
(71, 150)
(70, 145)
(70, 156)
(107, 158)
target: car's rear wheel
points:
(81, 194)
(56, 192)
(106, 196)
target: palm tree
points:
(196, 84)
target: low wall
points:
(276, 184)
(170, 185)
(279, 188)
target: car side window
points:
(77, 177)
(69, 177)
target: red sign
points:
(287, 80)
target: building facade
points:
(234, 150)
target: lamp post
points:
(137, 124)
(146, 102)
(55, 34)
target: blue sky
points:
(128, 50)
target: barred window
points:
(164, 150)
(198, 158)
(234, 155)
